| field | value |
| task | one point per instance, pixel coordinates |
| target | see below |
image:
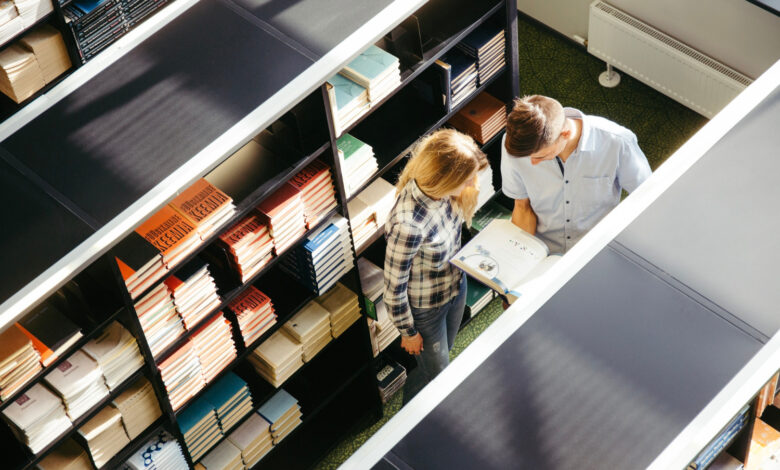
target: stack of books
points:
(462, 73)
(482, 118)
(20, 74)
(717, 446)
(375, 70)
(323, 258)
(200, 427)
(486, 188)
(161, 452)
(486, 44)
(79, 381)
(181, 374)
(214, 345)
(490, 211)
(50, 331)
(368, 212)
(372, 282)
(138, 406)
(231, 400)
(316, 186)
(342, 304)
(33, 10)
(357, 162)
(255, 314)
(253, 438)
(283, 212)
(171, 233)
(277, 358)
(249, 246)
(226, 456)
(140, 263)
(67, 456)
(311, 327)
(362, 222)
(37, 418)
(19, 361)
(49, 49)
(381, 330)
(117, 353)
(204, 206)
(283, 412)
(390, 377)
(348, 101)
(194, 292)
(159, 319)
(105, 435)
(478, 296)
(10, 21)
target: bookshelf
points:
(153, 114)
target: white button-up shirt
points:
(568, 203)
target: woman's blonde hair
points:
(442, 161)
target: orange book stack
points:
(194, 292)
(284, 213)
(255, 313)
(482, 118)
(249, 246)
(316, 186)
(204, 206)
(171, 234)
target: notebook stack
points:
(342, 304)
(490, 211)
(20, 74)
(362, 222)
(140, 263)
(462, 71)
(19, 361)
(478, 296)
(162, 452)
(283, 412)
(325, 256)
(49, 49)
(159, 319)
(67, 456)
(194, 292)
(383, 332)
(357, 162)
(214, 345)
(78, 380)
(33, 10)
(283, 212)
(181, 374)
(226, 456)
(200, 427)
(482, 118)
(10, 21)
(348, 101)
(390, 377)
(311, 327)
(138, 406)
(316, 186)
(117, 353)
(50, 331)
(277, 358)
(37, 418)
(231, 399)
(204, 206)
(105, 435)
(249, 246)
(486, 44)
(486, 188)
(375, 70)
(253, 438)
(370, 209)
(254, 312)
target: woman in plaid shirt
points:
(425, 294)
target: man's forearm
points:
(524, 217)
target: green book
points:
(349, 145)
(476, 291)
(490, 211)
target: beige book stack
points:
(385, 331)
(311, 327)
(10, 21)
(253, 438)
(138, 406)
(277, 358)
(214, 345)
(37, 417)
(78, 380)
(19, 361)
(226, 456)
(20, 75)
(33, 10)
(283, 412)
(49, 49)
(343, 306)
(117, 353)
(105, 435)
(67, 456)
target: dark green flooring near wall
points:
(554, 66)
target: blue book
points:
(194, 414)
(460, 64)
(88, 5)
(370, 67)
(482, 36)
(277, 405)
(224, 389)
(344, 90)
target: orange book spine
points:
(44, 351)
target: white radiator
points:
(660, 61)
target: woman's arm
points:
(403, 242)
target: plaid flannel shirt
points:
(423, 235)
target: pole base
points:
(609, 79)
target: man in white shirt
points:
(565, 170)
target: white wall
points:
(734, 32)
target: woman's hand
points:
(412, 344)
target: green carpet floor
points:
(553, 66)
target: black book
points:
(51, 331)
(387, 371)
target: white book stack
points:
(277, 358)
(194, 292)
(138, 406)
(253, 438)
(10, 21)
(311, 327)
(342, 304)
(368, 212)
(486, 188)
(37, 417)
(181, 374)
(117, 353)
(357, 162)
(105, 435)
(214, 345)
(67, 456)
(79, 381)
(159, 319)
(362, 221)
(33, 10)
(162, 452)
(283, 412)
(385, 331)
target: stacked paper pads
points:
(194, 292)
(382, 331)
(482, 118)
(310, 327)
(161, 323)
(37, 417)
(32, 62)
(16, 16)
(390, 377)
(253, 439)
(283, 413)
(19, 361)
(487, 45)
(369, 210)
(104, 435)
(138, 406)
(67, 456)
(117, 354)
(78, 380)
(362, 83)
(357, 162)
(161, 452)
(204, 422)
(324, 257)
(254, 312)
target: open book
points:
(505, 258)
